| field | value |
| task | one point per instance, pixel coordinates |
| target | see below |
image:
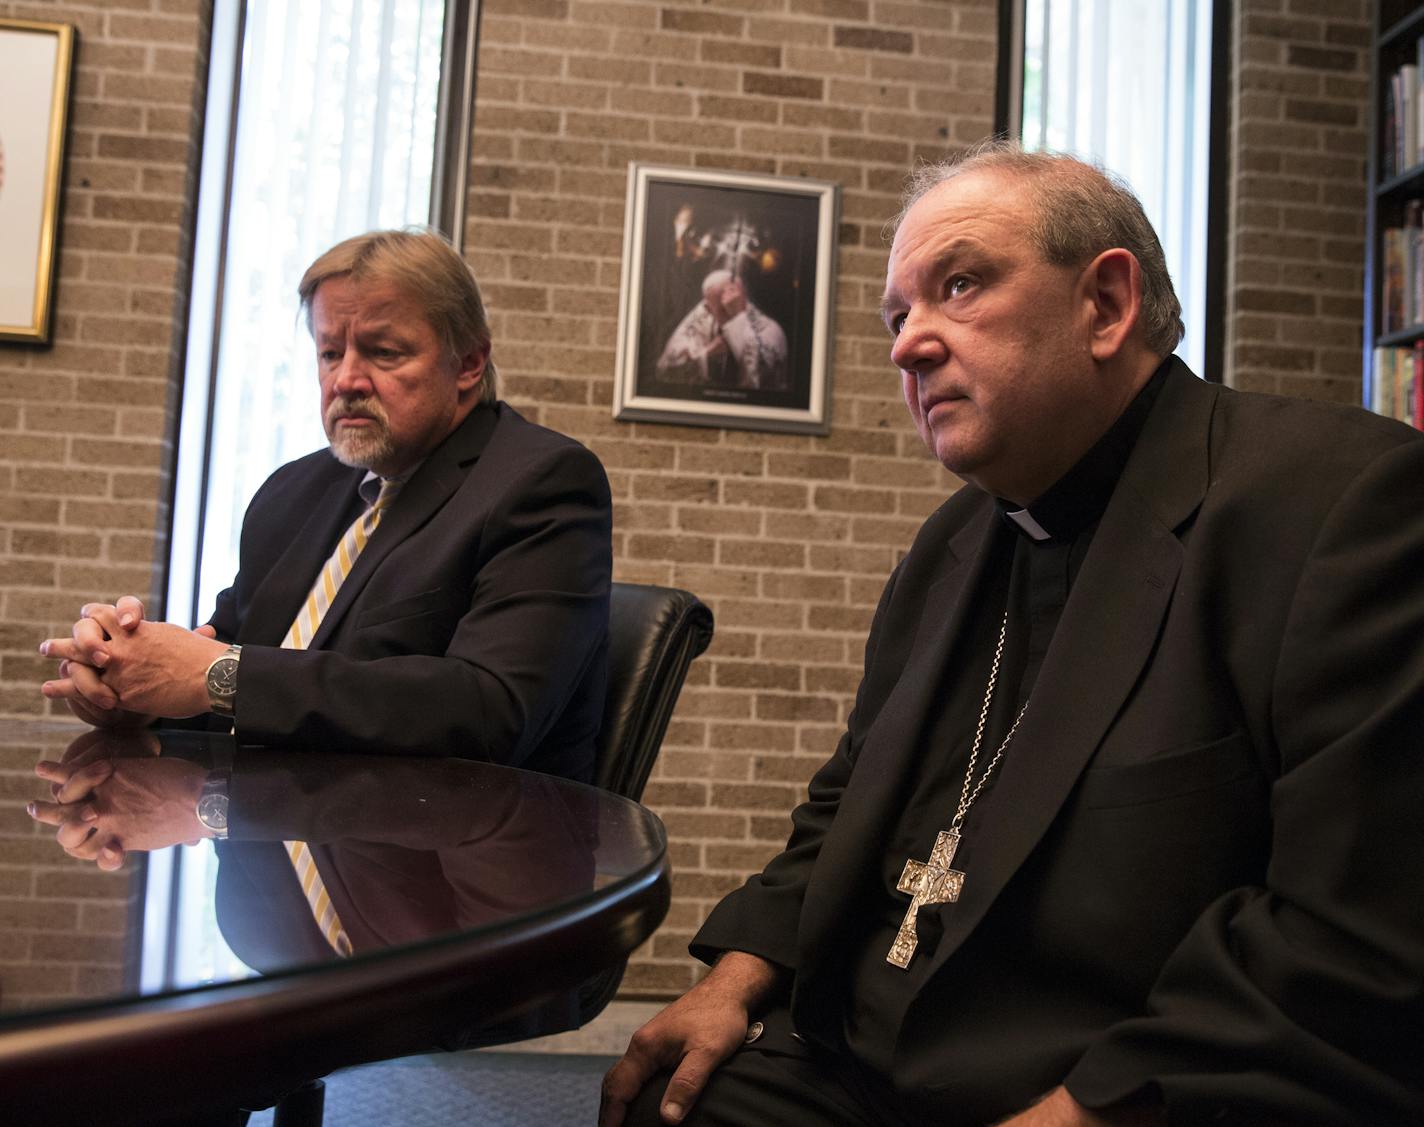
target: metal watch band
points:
(221, 679)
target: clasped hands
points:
(118, 670)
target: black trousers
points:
(776, 1079)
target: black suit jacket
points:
(1197, 870)
(474, 624)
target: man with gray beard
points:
(435, 583)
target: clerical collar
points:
(1077, 499)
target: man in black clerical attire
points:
(1124, 822)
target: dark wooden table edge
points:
(245, 1042)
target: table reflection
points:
(409, 849)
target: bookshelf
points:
(1394, 223)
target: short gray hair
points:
(422, 264)
(1080, 210)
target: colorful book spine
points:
(1404, 385)
(1382, 386)
(1418, 414)
(1391, 167)
(1409, 104)
(1393, 277)
(1396, 384)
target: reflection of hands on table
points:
(103, 744)
(119, 670)
(106, 807)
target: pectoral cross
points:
(928, 882)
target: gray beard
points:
(364, 449)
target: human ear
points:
(471, 367)
(1112, 289)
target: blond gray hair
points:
(423, 265)
(1079, 211)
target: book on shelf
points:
(1402, 271)
(1393, 279)
(1402, 145)
(1409, 123)
(1397, 384)
(1414, 262)
(1389, 161)
(1418, 404)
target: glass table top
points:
(411, 851)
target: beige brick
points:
(668, 487)
(701, 23)
(761, 554)
(762, 55)
(736, 109)
(683, 549)
(756, 675)
(783, 85)
(771, 495)
(874, 39)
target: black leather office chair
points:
(653, 635)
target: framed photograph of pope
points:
(727, 300)
(34, 99)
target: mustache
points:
(358, 406)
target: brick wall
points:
(1299, 146)
(86, 426)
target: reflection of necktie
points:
(323, 592)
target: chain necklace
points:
(933, 881)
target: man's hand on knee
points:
(691, 1038)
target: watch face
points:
(212, 812)
(222, 677)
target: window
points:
(1128, 83)
(325, 118)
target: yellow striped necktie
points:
(304, 628)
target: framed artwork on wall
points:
(35, 61)
(725, 315)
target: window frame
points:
(1008, 123)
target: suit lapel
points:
(1104, 639)
(424, 494)
(284, 590)
(890, 749)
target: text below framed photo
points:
(35, 63)
(725, 316)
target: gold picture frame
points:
(35, 64)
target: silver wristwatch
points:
(222, 682)
(212, 804)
